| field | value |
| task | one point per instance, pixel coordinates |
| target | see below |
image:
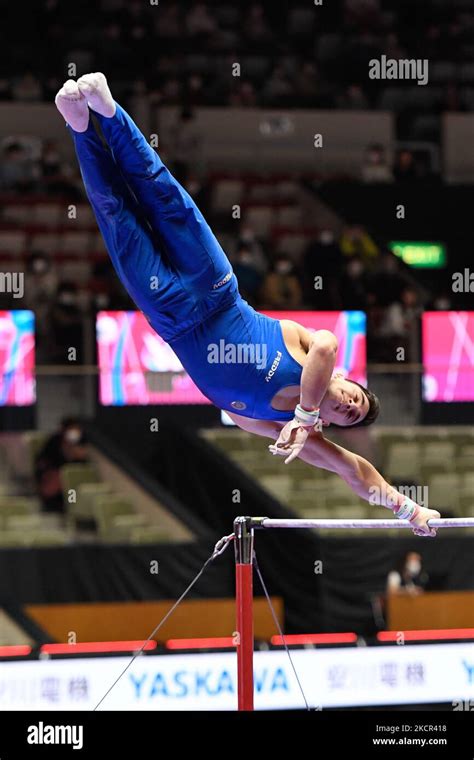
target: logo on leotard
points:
(223, 281)
(238, 405)
(274, 367)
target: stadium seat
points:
(443, 71)
(74, 475)
(403, 460)
(444, 490)
(226, 193)
(16, 506)
(85, 506)
(12, 242)
(118, 522)
(260, 219)
(440, 454)
(48, 214)
(75, 242)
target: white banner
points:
(335, 677)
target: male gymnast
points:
(178, 275)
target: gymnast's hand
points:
(420, 521)
(293, 436)
(291, 440)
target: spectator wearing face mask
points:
(67, 445)
(354, 284)
(18, 170)
(375, 168)
(248, 273)
(66, 317)
(248, 239)
(409, 577)
(356, 240)
(41, 284)
(322, 264)
(281, 288)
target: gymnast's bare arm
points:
(356, 471)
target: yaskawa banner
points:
(336, 677)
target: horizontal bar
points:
(449, 522)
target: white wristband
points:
(407, 510)
(306, 418)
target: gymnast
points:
(177, 274)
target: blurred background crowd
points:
(182, 57)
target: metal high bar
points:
(394, 523)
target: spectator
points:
(244, 96)
(401, 316)
(322, 259)
(171, 91)
(27, 88)
(56, 175)
(66, 446)
(387, 281)
(404, 169)
(278, 89)
(355, 239)
(105, 289)
(281, 288)
(409, 577)
(353, 99)
(185, 146)
(18, 171)
(199, 21)
(353, 284)
(41, 283)
(306, 84)
(375, 168)
(392, 47)
(248, 239)
(66, 319)
(442, 302)
(247, 272)
(168, 22)
(398, 324)
(256, 26)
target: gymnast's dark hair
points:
(374, 407)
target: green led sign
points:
(420, 255)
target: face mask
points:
(73, 435)
(355, 268)
(414, 567)
(247, 236)
(102, 300)
(39, 266)
(326, 237)
(67, 299)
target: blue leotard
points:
(177, 273)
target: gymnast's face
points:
(344, 403)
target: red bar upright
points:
(244, 609)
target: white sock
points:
(95, 89)
(72, 105)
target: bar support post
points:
(244, 538)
